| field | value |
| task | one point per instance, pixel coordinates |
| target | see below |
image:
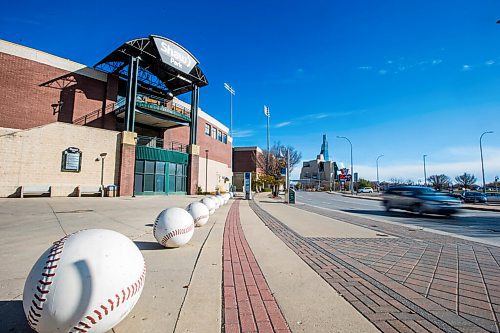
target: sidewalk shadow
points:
(274, 202)
(148, 245)
(149, 225)
(13, 318)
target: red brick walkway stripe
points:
(249, 305)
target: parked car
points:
(474, 197)
(493, 197)
(365, 190)
(456, 196)
(420, 199)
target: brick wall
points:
(218, 151)
(27, 94)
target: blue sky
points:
(399, 78)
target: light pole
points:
(103, 156)
(425, 172)
(352, 170)
(268, 115)
(481, 149)
(231, 94)
(206, 171)
(378, 182)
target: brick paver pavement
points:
(417, 282)
(249, 305)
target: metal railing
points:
(155, 142)
(94, 115)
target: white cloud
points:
(466, 67)
(365, 68)
(283, 124)
(436, 61)
(242, 133)
(489, 62)
(382, 72)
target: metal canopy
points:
(166, 68)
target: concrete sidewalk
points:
(182, 292)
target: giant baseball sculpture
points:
(86, 282)
(199, 212)
(209, 203)
(216, 201)
(174, 227)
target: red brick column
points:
(127, 164)
(193, 169)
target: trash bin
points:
(112, 189)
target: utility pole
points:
(425, 172)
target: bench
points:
(90, 189)
(35, 190)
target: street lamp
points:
(352, 170)
(206, 170)
(378, 182)
(425, 172)
(231, 94)
(481, 149)
(103, 156)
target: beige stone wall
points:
(33, 156)
(215, 177)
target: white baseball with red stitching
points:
(86, 282)
(173, 227)
(199, 212)
(216, 201)
(210, 203)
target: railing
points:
(156, 142)
(161, 104)
(96, 114)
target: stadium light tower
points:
(231, 94)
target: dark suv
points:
(474, 197)
(420, 199)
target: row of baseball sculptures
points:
(90, 280)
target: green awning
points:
(158, 154)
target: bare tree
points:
(439, 181)
(466, 180)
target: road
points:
(481, 225)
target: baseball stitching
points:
(112, 303)
(176, 232)
(43, 287)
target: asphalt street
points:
(481, 225)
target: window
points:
(219, 136)
(149, 176)
(207, 129)
(214, 133)
(224, 138)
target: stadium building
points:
(132, 121)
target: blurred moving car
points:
(365, 190)
(420, 199)
(493, 197)
(474, 197)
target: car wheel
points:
(387, 206)
(418, 209)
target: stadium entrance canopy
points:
(159, 69)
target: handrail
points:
(93, 115)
